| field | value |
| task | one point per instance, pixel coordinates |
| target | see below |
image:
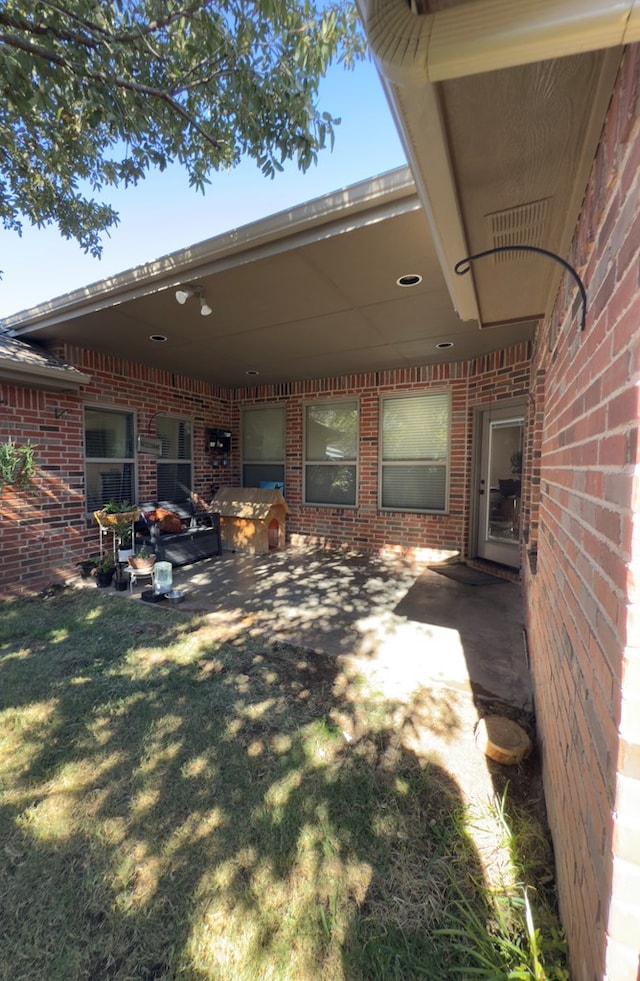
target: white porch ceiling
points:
(304, 294)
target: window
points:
(414, 455)
(174, 469)
(263, 446)
(331, 452)
(109, 457)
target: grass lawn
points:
(178, 805)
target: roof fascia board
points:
(65, 379)
(426, 147)
(427, 151)
(375, 199)
(414, 51)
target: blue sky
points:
(163, 214)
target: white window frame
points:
(346, 462)
(441, 461)
(177, 461)
(109, 460)
(274, 462)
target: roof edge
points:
(357, 201)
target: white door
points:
(500, 485)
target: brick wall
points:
(500, 375)
(45, 532)
(583, 600)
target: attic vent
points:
(524, 225)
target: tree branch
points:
(33, 49)
(126, 37)
(117, 81)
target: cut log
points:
(503, 740)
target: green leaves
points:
(96, 94)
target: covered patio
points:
(398, 618)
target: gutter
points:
(491, 34)
(48, 377)
(369, 201)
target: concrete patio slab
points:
(405, 624)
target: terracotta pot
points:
(145, 564)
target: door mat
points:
(467, 575)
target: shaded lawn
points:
(174, 806)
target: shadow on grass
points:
(177, 807)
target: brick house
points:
(336, 361)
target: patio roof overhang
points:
(307, 293)
(500, 156)
(500, 107)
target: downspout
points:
(414, 52)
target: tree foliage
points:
(95, 93)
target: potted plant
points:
(17, 465)
(143, 560)
(104, 569)
(122, 532)
(120, 582)
(116, 514)
(87, 567)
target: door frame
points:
(512, 406)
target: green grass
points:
(178, 806)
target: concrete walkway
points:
(407, 625)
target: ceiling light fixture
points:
(409, 279)
(158, 337)
(442, 345)
(186, 292)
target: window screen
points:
(263, 446)
(331, 452)
(414, 465)
(109, 457)
(174, 467)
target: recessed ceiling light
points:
(252, 371)
(409, 279)
(444, 344)
(158, 337)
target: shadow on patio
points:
(409, 625)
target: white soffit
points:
(415, 51)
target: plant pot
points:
(124, 554)
(104, 579)
(121, 585)
(142, 564)
(87, 568)
(108, 520)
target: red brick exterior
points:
(43, 533)
(494, 377)
(582, 602)
(50, 528)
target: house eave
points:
(352, 207)
(47, 378)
